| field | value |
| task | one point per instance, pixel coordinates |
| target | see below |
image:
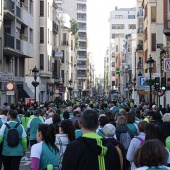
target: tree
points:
(74, 29)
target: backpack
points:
(142, 141)
(12, 135)
(125, 140)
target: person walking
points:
(90, 151)
(15, 145)
(45, 152)
(33, 126)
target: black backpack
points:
(12, 135)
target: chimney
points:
(116, 8)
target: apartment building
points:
(153, 36)
(17, 44)
(1, 36)
(122, 23)
(77, 9)
(166, 45)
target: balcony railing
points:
(140, 31)
(9, 41)
(81, 66)
(83, 38)
(82, 56)
(139, 47)
(18, 44)
(82, 9)
(81, 0)
(82, 47)
(65, 43)
(81, 75)
(24, 6)
(82, 28)
(81, 19)
(140, 14)
(18, 13)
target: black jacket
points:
(166, 127)
(82, 154)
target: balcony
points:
(82, 28)
(82, 1)
(55, 27)
(166, 31)
(82, 47)
(81, 75)
(65, 43)
(82, 56)
(24, 6)
(140, 14)
(81, 9)
(140, 31)
(123, 61)
(139, 48)
(81, 66)
(18, 44)
(82, 38)
(9, 41)
(23, 37)
(81, 19)
(58, 1)
(57, 55)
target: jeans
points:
(11, 162)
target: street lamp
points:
(70, 88)
(150, 63)
(35, 83)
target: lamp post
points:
(35, 83)
(70, 88)
(134, 84)
(150, 63)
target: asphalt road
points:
(25, 161)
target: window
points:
(146, 34)
(118, 36)
(31, 36)
(132, 26)
(131, 16)
(118, 16)
(113, 55)
(41, 61)
(41, 8)
(116, 48)
(153, 14)
(62, 75)
(153, 45)
(48, 35)
(146, 9)
(41, 35)
(113, 64)
(118, 26)
(62, 61)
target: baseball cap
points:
(77, 109)
(154, 106)
(36, 112)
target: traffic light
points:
(163, 83)
(157, 84)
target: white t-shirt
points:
(36, 150)
(49, 121)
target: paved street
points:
(25, 162)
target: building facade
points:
(18, 27)
(122, 23)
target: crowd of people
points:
(85, 134)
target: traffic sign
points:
(10, 86)
(56, 91)
(10, 93)
(142, 81)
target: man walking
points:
(90, 151)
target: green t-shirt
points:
(33, 126)
(24, 122)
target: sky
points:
(98, 28)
